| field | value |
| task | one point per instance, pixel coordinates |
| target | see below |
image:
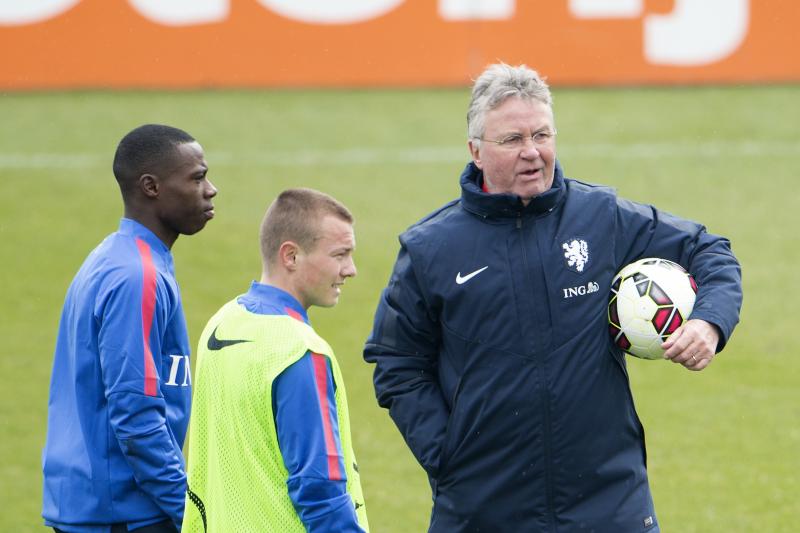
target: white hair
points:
(498, 83)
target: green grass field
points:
(723, 445)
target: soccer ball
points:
(650, 299)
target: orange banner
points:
(326, 43)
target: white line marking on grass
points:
(422, 155)
(347, 156)
(688, 149)
(51, 160)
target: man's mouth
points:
(531, 172)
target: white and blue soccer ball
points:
(650, 299)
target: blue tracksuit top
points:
(504, 383)
(120, 391)
(320, 498)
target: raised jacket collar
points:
(131, 227)
(270, 300)
(502, 205)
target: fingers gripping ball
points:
(650, 299)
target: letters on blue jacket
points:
(120, 391)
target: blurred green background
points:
(723, 444)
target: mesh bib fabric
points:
(236, 475)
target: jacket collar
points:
(265, 299)
(131, 227)
(484, 204)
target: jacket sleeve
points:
(649, 232)
(404, 345)
(129, 334)
(308, 435)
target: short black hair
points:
(144, 150)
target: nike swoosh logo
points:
(463, 279)
(217, 344)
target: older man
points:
(511, 396)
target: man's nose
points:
(211, 191)
(529, 150)
(349, 270)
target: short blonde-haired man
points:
(270, 433)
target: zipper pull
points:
(519, 222)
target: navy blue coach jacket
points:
(503, 381)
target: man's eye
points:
(512, 139)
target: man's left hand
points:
(693, 345)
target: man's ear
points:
(148, 183)
(288, 254)
(475, 152)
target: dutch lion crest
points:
(576, 252)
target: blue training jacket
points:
(504, 382)
(306, 443)
(120, 391)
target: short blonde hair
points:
(295, 215)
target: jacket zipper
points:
(546, 445)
